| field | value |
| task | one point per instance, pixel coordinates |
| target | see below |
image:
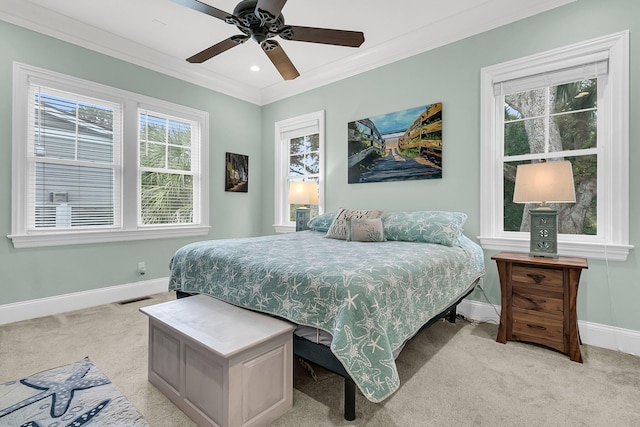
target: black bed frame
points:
(322, 356)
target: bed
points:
(356, 302)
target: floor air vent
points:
(129, 301)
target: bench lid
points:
(222, 327)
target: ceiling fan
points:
(261, 20)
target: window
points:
(567, 104)
(166, 172)
(299, 155)
(73, 161)
(97, 164)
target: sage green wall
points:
(609, 294)
(41, 272)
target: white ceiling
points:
(160, 35)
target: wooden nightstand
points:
(539, 301)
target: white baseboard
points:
(610, 337)
(613, 338)
(479, 311)
(24, 310)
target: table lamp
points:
(545, 182)
(303, 193)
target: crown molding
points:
(453, 28)
(456, 27)
(32, 17)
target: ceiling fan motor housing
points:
(258, 24)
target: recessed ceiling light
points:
(254, 68)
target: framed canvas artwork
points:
(399, 146)
(236, 173)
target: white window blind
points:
(73, 157)
(289, 134)
(552, 78)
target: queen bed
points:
(356, 302)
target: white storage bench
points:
(220, 364)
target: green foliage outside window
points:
(540, 122)
(166, 191)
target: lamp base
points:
(302, 218)
(544, 233)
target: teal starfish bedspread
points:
(371, 297)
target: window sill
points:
(279, 228)
(87, 237)
(610, 252)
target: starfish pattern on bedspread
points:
(371, 297)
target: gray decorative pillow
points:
(322, 222)
(338, 229)
(365, 230)
(439, 227)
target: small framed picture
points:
(236, 173)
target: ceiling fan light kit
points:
(261, 21)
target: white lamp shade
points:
(547, 182)
(303, 193)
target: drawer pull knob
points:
(538, 278)
(542, 328)
(538, 301)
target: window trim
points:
(130, 101)
(315, 119)
(613, 175)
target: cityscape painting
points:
(399, 146)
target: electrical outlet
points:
(142, 269)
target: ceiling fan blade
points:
(204, 8)
(280, 59)
(269, 10)
(217, 49)
(323, 35)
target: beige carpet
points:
(450, 374)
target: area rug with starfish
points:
(78, 394)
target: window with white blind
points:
(566, 104)
(73, 161)
(299, 156)
(93, 163)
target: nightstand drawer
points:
(530, 298)
(532, 326)
(548, 278)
